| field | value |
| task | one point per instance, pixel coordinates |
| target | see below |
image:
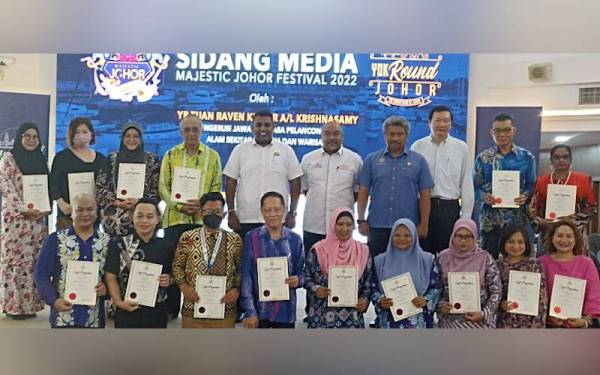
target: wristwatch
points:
(359, 221)
(293, 213)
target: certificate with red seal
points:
(131, 180)
(343, 283)
(524, 292)
(185, 184)
(272, 272)
(560, 201)
(464, 292)
(81, 281)
(401, 290)
(566, 300)
(81, 183)
(505, 188)
(210, 290)
(142, 285)
(35, 192)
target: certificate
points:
(142, 286)
(81, 183)
(80, 285)
(524, 292)
(560, 201)
(272, 273)
(186, 184)
(505, 188)
(131, 180)
(566, 300)
(35, 192)
(464, 292)
(343, 283)
(402, 291)
(210, 289)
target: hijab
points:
(395, 262)
(126, 155)
(335, 252)
(29, 162)
(455, 260)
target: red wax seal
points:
(457, 305)
(498, 200)
(335, 299)
(201, 310)
(177, 196)
(552, 215)
(399, 312)
(72, 296)
(30, 206)
(133, 295)
(557, 310)
(515, 305)
(266, 293)
(123, 192)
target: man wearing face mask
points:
(212, 251)
(256, 167)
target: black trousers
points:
(444, 214)
(270, 324)
(247, 227)
(172, 234)
(144, 317)
(309, 239)
(377, 240)
(490, 241)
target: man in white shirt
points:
(329, 181)
(450, 166)
(256, 167)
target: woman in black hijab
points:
(116, 212)
(23, 226)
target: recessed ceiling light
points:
(562, 138)
(571, 112)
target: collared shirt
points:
(517, 159)
(206, 160)
(450, 165)
(258, 170)
(394, 185)
(330, 183)
(189, 262)
(259, 244)
(49, 273)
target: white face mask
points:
(82, 140)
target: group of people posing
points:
(420, 202)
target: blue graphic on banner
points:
(303, 90)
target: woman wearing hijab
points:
(465, 255)
(78, 157)
(116, 213)
(23, 228)
(404, 254)
(337, 249)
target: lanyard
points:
(204, 248)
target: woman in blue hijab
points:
(404, 254)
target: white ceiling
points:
(578, 139)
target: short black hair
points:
(263, 113)
(440, 108)
(566, 147)
(508, 233)
(271, 194)
(503, 117)
(210, 197)
(148, 201)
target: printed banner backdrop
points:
(302, 90)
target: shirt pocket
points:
(277, 164)
(452, 167)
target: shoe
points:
(16, 316)
(239, 318)
(305, 319)
(374, 324)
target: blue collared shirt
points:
(517, 159)
(394, 185)
(258, 244)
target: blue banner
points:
(303, 90)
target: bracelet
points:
(230, 211)
(360, 221)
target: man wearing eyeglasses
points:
(180, 217)
(504, 156)
(211, 251)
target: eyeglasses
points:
(212, 212)
(498, 131)
(460, 237)
(30, 136)
(561, 157)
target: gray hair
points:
(396, 121)
(75, 200)
(192, 118)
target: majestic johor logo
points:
(123, 77)
(404, 80)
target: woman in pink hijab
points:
(337, 249)
(465, 255)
